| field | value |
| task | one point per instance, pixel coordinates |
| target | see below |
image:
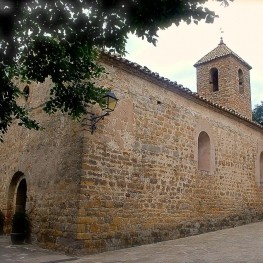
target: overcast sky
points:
(179, 48)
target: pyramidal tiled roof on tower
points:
(222, 50)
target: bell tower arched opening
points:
(214, 79)
(241, 81)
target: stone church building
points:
(167, 163)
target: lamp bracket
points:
(95, 119)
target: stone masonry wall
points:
(136, 179)
(228, 94)
(140, 182)
(50, 161)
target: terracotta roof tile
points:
(222, 50)
(184, 91)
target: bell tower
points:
(223, 77)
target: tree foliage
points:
(257, 113)
(62, 39)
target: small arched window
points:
(214, 79)
(26, 92)
(261, 168)
(241, 81)
(204, 152)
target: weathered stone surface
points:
(151, 172)
(229, 94)
(136, 179)
(50, 161)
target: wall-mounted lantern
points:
(110, 102)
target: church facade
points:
(167, 163)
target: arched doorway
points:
(17, 195)
(20, 204)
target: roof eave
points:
(228, 55)
(179, 89)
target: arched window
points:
(26, 92)
(261, 168)
(214, 79)
(241, 81)
(204, 152)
